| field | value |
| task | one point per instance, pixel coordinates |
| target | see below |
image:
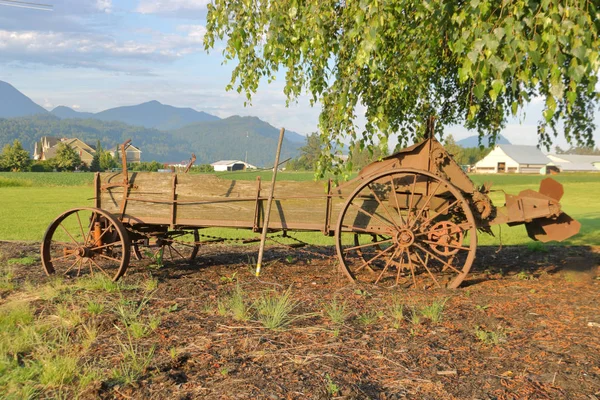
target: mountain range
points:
(149, 115)
(163, 132)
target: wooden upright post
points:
(263, 236)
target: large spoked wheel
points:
(177, 246)
(406, 227)
(86, 241)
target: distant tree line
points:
(15, 158)
(310, 154)
(578, 150)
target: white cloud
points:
(171, 6)
(104, 5)
(98, 50)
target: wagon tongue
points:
(547, 229)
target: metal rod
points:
(263, 236)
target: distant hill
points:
(473, 141)
(66, 113)
(155, 115)
(210, 141)
(231, 138)
(152, 114)
(15, 104)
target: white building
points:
(576, 163)
(231, 165)
(510, 158)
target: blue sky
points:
(97, 54)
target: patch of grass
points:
(7, 275)
(150, 284)
(331, 387)
(9, 182)
(524, 276)
(135, 361)
(157, 258)
(89, 333)
(415, 316)
(397, 312)
(537, 247)
(27, 260)
(369, 318)
(229, 279)
(274, 310)
(69, 315)
(40, 179)
(58, 370)
(336, 311)
(489, 337)
(434, 311)
(94, 307)
(98, 282)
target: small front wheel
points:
(86, 241)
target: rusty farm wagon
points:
(411, 219)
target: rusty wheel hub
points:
(404, 238)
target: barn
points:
(576, 163)
(510, 158)
(231, 165)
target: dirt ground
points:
(540, 310)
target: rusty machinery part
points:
(425, 232)
(482, 204)
(86, 241)
(445, 238)
(168, 246)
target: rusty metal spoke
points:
(352, 228)
(396, 199)
(177, 251)
(446, 245)
(439, 212)
(106, 245)
(428, 270)
(383, 206)
(412, 270)
(367, 245)
(71, 267)
(109, 258)
(99, 267)
(69, 234)
(79, 265)
(81, 227)
(437, 258)
(360, 209)
(426, 204)
(368, 262)
(388, 264)
(412, 198)
(63, 257)
(465, 226)
(103, 233)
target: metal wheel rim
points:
(471, 229)
(84, 253)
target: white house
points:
(231, 165)
(510, 158)
(576, 163)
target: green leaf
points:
(479, 90)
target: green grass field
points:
(30, 201)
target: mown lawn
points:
(30, 201)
